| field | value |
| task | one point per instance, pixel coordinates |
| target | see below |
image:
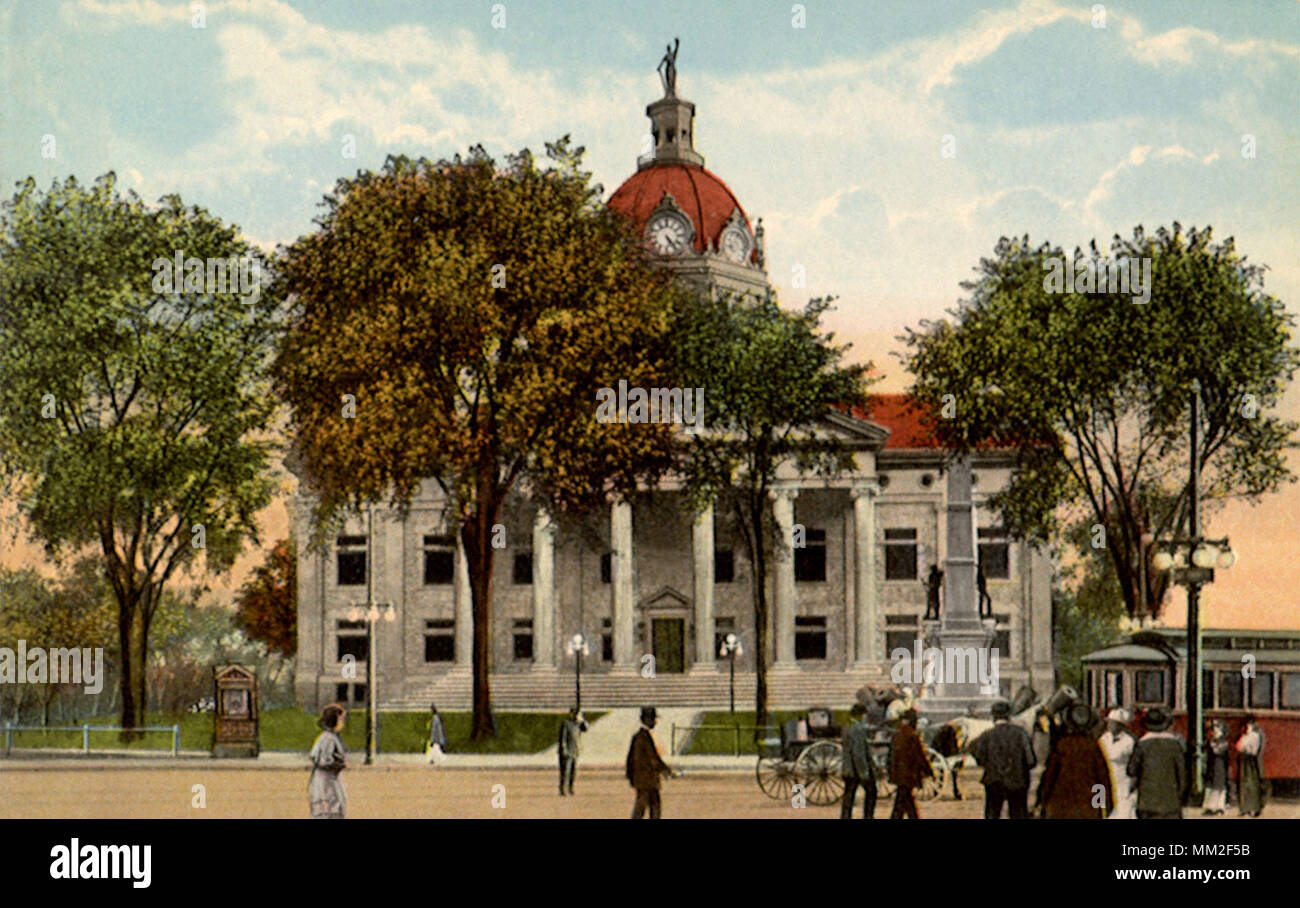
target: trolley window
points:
(1232, 694)
(1261, 691)
(1114, 689)
(1290, 690)
(1150, 685)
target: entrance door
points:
(669, 644)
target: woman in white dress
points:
(1117, 743)
(328, 759)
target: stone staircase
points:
(792, 689)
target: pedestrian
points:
(1216, 769)
(857, 768)
(1117, 743)
(1159, 769)
(328, 759)
(570, 729)
(1250, 778)
(1076, 780)
(1006, 755)
(948, 742)
(908, 766)
(645, 767)
(436, 745)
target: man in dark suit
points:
(645, 767)
(857, 768)
(908, 766)
(1157, 764)
(1006, 755)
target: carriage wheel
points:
(938, 783)
(775, 777)
(818, 768)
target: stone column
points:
(464, 611)
(620, 523)
(783, 589)
(702, 562)
(543, 591)
(867, 607)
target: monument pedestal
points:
(965, 678)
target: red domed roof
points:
(704, 198)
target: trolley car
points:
(1244, 672)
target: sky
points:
(887, 146)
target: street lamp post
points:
(578, 648)
(730, 649)
(372, 612)
(1193, 559)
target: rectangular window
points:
(523, 639)
(1232, 694)
(1290, 690)
(351, 640)
(607, 567)
(350, 694)
(1150, 685)
(606, 640)
(1207, 689)
(900, 553)
(994, 553)
(351, 560)
(1090, 692)
(1002, 641)
(810, 638)
(810, 561)
(1114, 689)
(522, 575)
(440, 640)
(724, 566)
(1261, 691)
(896, 640)
(439, 560)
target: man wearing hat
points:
(1159, 769)
(1006, 755)
(645, 767)
(857, 768)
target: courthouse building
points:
(652, 588)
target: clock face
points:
(735, 245)
(667, 234)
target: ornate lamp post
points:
(1193, 559)
(371, 611)
(730, 649)
(578, 648)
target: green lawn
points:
(722, 740)
(291, 729)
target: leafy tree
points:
(770, 377)
(267, 603)
(134, 415)
(1092, 390)
(75, 612)
(469, 312)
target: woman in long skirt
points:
(1250, 748)
(1216, 770)
(328, 759)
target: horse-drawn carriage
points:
(808, 753)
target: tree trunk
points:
(476, 535)
(760, 615)
(125, 620)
